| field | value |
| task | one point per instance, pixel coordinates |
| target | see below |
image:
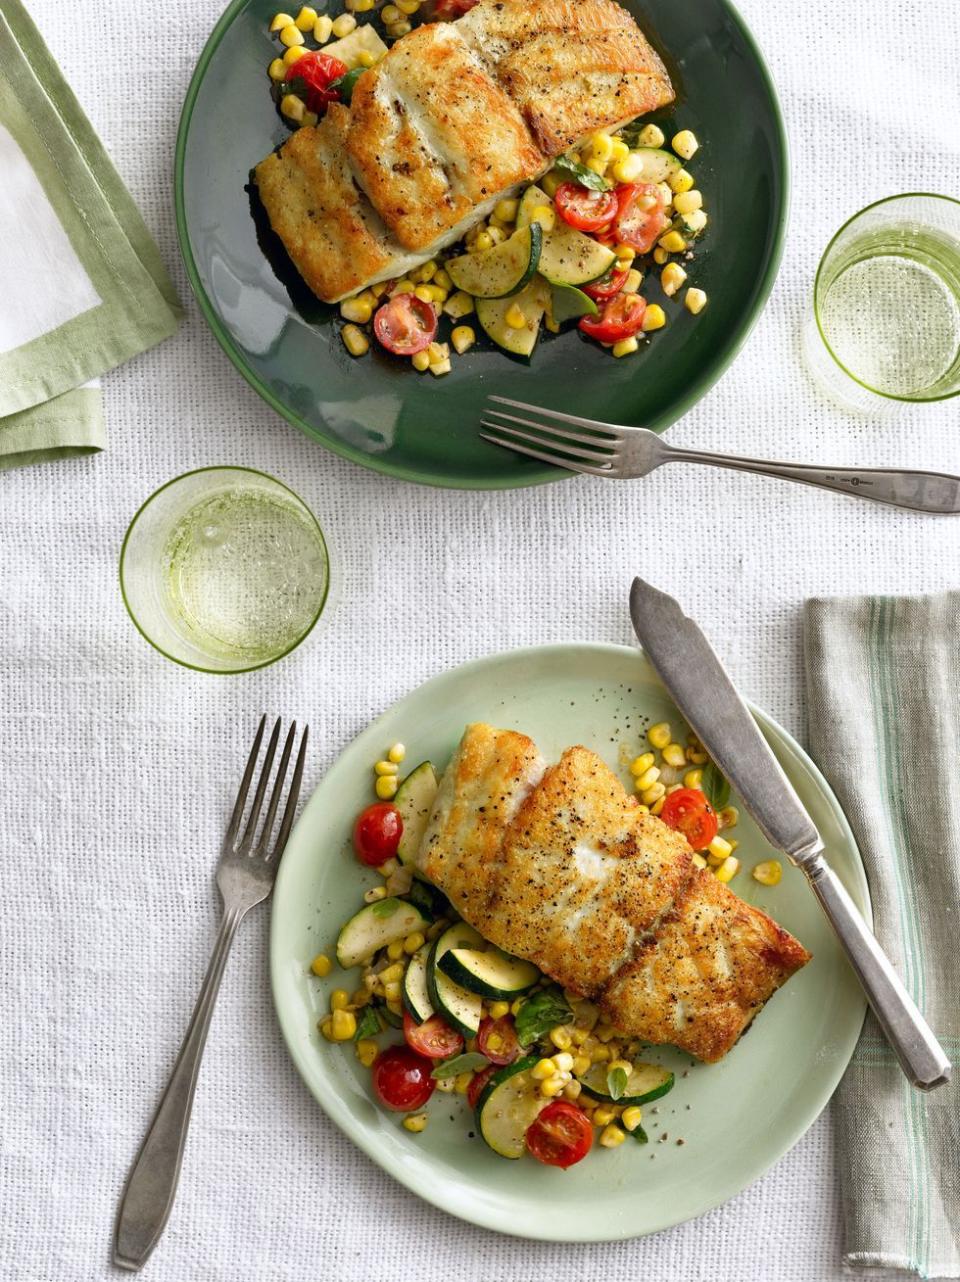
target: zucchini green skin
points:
(525, 976)
(594, 1084)
(415, 993)
(501, 271)
(491, 1126)
(414, 800)
(464, 1015)
(492, 315)
(369, 930)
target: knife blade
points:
(696, 680)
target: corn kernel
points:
(550, 183)
(506, 210)
(561, 1038)
(515, 317)
(552, 1087)
(516, 1005)
(564, 1061)
(423, 293)
(581, 1064)
(390, 13)
(612, 1137)
(326, 1027)
(397, 29)
(356, 309)
(293, 55)
(671, 278)
(461, 1083)
(413, 943)
(365, 58)
(391, 991)
(643, 810)
(343, 25)
(291, 35)
(639, 765)
(357, 344)
(650, 796)
(653, 318)
(685, 144)
(367, 1051)
(681, 181)
(696, 755)
(633, 282)
(321, 965)
(421, 361)
(439, 368)
(651, 136)
(693, 778)
(605, 1113)
(279, 21)
(306, 19)
(599, 1054)
(394, 1004)
(447, 1086)
(385, 768)
(659, 735)
(657, 806)
(339, 999)
(277, 70)
(388, 867)
(375, 893)
(631, 1117)
(688, 202)
(660, 256)
(601, 146)
(463, 338)
(629, 169)
(343, 1025)
(546, 217)
(596, 165)
(695, 301)
(571, 1090)
(728, 817)
(648, 778)
(626, 347)
(386, 787)
(699, 861)
(543, 1069)
(408, 7)
(323, 29)
(483, 242)
(292, 106)
(728, 869)
(415, 1123)
(768, 873)
(719, 848)
(673, 242)
(458, 306)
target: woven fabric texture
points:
(117, 764)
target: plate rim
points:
(532, 476)
(278, 963)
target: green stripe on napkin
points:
(124, 302)
(883, 683)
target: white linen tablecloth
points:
(117, 765)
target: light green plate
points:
(736, 1118)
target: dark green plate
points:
(378, 411)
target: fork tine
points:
(267, 828)
(291, 807)
(507, 443)
(561, 433)
(590, 456)
(234, 826)
(605, 429)
(248, 832)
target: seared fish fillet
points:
(571, 66)
(434, 141)
(561, 867)
(334, 236)
(456, 117)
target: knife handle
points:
(920, 1054)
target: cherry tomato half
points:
(478, 1082)
(497, 1039)
(405, 325)
(607, 286)
(377, 833)
(690, 812)
(434, 1038)
(641, 216)
(402, 1079)
(450, 10)
(561, 1135)
(317, 70)
(621, 318)
(584, 209)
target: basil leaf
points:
(631, 133)
(640, 1135)
(367, 1025)
(616, 1082)
(389, 1017)
(541, 1012)
(385, 907)
(715, 786)
(459, 1064)
(345, 84)
(578, 173)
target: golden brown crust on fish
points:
(571, 66)
(328, 227)
(561, 867)
(434, 136)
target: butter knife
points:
(707, 698)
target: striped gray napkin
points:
(883, 686)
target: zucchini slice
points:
(502, 270)
(569, 257)
(508, 1104)
(569, 303)
(458, 1007)
(416, 994)
(361, 40)
(492, 315)
(646, 1082)
(492, 974)
(531, 199)
(376, 926)
(414, 800)
(658, 166)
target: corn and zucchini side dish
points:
(538, 927)
(489, 173)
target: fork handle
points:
(935, 492)
(152, 1183)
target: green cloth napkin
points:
(883, 684)
(81, 281)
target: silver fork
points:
(622, 453)
(245, 876)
